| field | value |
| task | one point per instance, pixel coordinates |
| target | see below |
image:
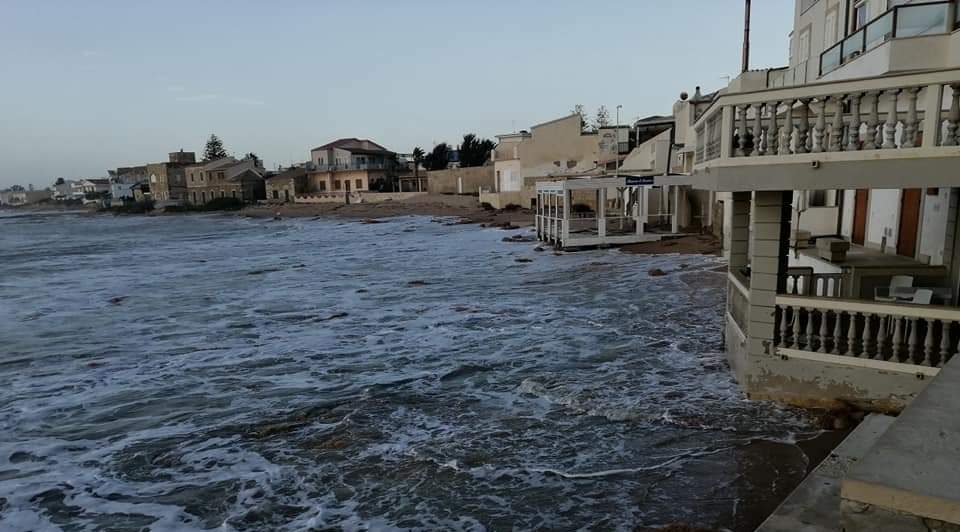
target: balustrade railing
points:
(816, 119)
(908, 334)
(804, 282)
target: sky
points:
(93, 85)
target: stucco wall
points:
(559, 147)
(461, 180)
(884, 215)
(500, 200)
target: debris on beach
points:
(519, 238)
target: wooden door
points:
(860, 216)
(909, 222)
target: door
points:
(909, 222)
(860, 216)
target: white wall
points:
(933, 229)
(884, 217)
(849, 206)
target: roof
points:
(655, 119)
(297, 171)
(354, 145)
(98, 181)
(219, 163)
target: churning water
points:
(199, 372)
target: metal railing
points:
(910, 20)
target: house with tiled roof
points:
(225, 178)
(351, 165)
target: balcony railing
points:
(907, 334)
(345, 167)
(887, 113)
(909, 20)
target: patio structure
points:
(602, 211)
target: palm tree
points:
(418, 154)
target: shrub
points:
(486, 206)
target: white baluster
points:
(758, 148)
(821, 126)
(773, 132)
(910, 123)
(873, 119)
(784, 324)
(889, 128)
(944, 343)
(897, 338)
(853, 142)
(837, 332)
(852, 335)
(928, 345)
(810, 339)
(803, 127)
(786, 135)
(912, 345)
(882, 338)
(866, 336)
(824, 332)
(953, 117)
(836, 130)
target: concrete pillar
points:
(602, 212)
(565, 231)
(768, 263)
(740, 231)
(675, 222)
(638, 206)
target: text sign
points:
(636, 180)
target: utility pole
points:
(746, 37)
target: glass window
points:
(859, 15)
(359, 184)
(322, 186)
(830, 60)
(852, 46)
(880, 30)
(921, 19)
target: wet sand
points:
(464, 208)
(686, 245)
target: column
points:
(769, 245)
(602, 212)
(675, 219)
(641, 215)
(565, 230)
(740, 231)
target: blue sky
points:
(92, 85)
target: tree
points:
(253, 156)
(474, 151)
(578, 110)
(418, 155)
(603, 117)
(214, 149)
(439, 158)
(59, 181)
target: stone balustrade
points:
(909, 334)
(804, 282)
(895, 113)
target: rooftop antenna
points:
(746, 37)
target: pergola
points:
(596, 211)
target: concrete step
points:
(815, 505)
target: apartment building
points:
(168, 180)
(225, 178)
(351, 165)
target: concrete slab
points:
(914, 468)
(815, 505)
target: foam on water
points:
(211, 372)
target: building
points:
(351, 165)
(508, 170)
(286, 185)
(225, 178)
(17, 196)
(122, 180)
(168, 181)
(844, 271)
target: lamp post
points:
(616, 171)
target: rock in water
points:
(656, 272)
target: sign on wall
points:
(637, 180)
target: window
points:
(220, 175)
(860, 15)
(336, 185)
(803, 46)
(322, 186)
(830, 29)
(359, 184)
(276, 194)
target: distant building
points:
(122, 181)
(350, 165)
(168, 181)
(285, 185)
(225, 178)
(17, 196)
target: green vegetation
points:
(475, 151)
(140, 207)
(214, 149)
(439, 158)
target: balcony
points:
(805, 138)
(911, 20)
(350, 167)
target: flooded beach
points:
(216, 372)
